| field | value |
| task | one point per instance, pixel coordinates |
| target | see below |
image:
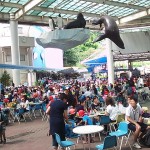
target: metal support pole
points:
(110, 62)
(15, 53)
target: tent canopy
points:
(97, 61)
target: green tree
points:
(5, 79)
(74, 56)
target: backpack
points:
(145, 139)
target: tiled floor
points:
(32, 135)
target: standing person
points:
(2, 128)
(134, 117)
(77, 93)
(58, 115)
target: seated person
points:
(121, 99)
(25, 104)
(86, 120)
(95, 106)
(72, 113)
(80, 106)
(88, 103)
(134, 117)
(105, 90)
(111, 109)
(145, 92)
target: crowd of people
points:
(73, 100)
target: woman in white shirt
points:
(111, 109)
(24, 103)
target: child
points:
(72, 113)
(86, 120)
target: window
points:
(8, 58)
(22, 57)
(20, 30)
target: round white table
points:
(87, 130)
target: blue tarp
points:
(96, 62)
(9, 66)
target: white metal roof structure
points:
(137, 47)
(128, 13)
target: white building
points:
(26, 45)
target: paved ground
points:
(32, 135)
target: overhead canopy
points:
(98, 59)
(137, 46)
(126, 12)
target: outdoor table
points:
(30, 103)
(87, 130)
(97, 114)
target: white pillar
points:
(110, 62)
(15, 53)
(30, 78)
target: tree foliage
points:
(75, 55)
(5, 79)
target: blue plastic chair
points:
(104, 120)
(69, 133)
(20, 113)
(109, 142)
(121, 132)
(37, 107)
(44, 115)
(69, 130)
(63, 144)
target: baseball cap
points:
(81, 113)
